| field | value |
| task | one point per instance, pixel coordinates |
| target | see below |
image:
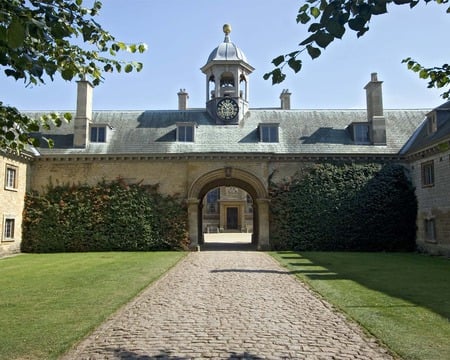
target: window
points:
(8, 233)
(212, 198)
(361, 133)
(430, 230)
(98, 134)
(268, 133)
(185, 132)
(428, 174)
(11, 177)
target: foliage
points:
(400, 298)
(345, 207)
(330, 19)
(40, 39)
(43, 294)
(105, 217)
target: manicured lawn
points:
(49, 302)
(403, 299)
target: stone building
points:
(13, 186)
(222, 157)
(428, 155)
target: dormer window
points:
(360, 133)
(98, 134)
(185, 132)
(268, 133)
(431, 123)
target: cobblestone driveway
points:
(228, 305)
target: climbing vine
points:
(345, 207)
(106, 217)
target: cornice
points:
(218, 157)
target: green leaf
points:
(278, 60)
(142, 48)
(295, 64)
(303, 18)
(335, 29)
(128, 68)
(423, 74)
(67, 74)
(313, 51)
(315, 12)
(357, 23)
(323, 39)
(16, 33)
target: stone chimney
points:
(83, 115)
(183, 97)
(285, 98)
(375, 117)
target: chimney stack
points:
(183, 97)
(285, 98)
(83, 115)
(375, 117)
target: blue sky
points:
(181, 34)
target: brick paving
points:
(228, 305)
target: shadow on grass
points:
(419, 279)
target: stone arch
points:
(230, 176)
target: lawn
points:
(402, 299)
(50, 301)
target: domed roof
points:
(227, 50)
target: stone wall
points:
(434, 204)
(12, 203)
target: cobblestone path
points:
(228, 305)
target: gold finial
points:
(227, 29)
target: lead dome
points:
(227, 50)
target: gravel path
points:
(228, 305)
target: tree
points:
(330, 19)
(41, 39)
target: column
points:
(193, 222)
(263, 224)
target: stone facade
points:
(190, 152)
(429, 156)
(13, 186)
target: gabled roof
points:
(421, 139)
(300, 132)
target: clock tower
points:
(227, 88)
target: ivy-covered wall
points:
(345, 207)
(106, 217)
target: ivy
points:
(104, 217)
(345, 207)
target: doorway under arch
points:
(231, 177)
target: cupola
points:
(227, 86)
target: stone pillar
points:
(193, 222)
(263, 224)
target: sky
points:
(181, 34)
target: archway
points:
(229, 176)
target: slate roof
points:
(300, 132)
(421, 139)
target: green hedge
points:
(106, 217)
(345, 207)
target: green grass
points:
(49, 302)
(402, 299)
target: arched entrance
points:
(229, 176)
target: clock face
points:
(227, 109)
